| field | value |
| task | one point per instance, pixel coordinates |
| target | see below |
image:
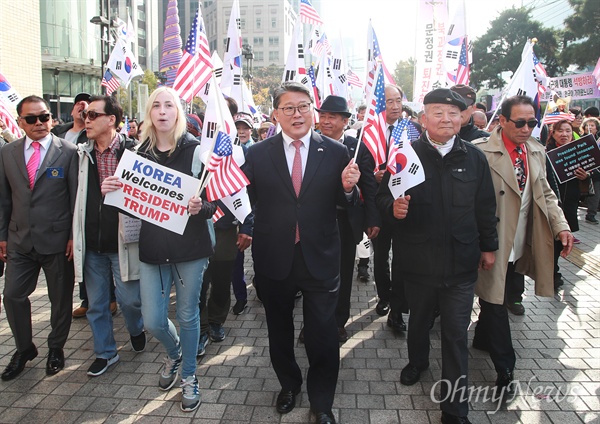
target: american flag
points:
(227, 177)
(463, 71)
(353, 79)
(218, 214)
(196, 65)
(374, 57)
(375, 125)
(9, 120)
(308, 14)
(540, 75)
(552, 118)
(321, 43)
(313, 83)
(110, 82)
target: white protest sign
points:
(153, 193)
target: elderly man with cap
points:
(333, 117)
(447, 230)
(468, 130)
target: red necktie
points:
(297, 176)
(33, 163)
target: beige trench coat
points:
(545, 220)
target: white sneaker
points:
(190, 399)
(169, 373)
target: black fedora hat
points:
(335, 104)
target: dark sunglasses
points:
(520, 123)
(30, 119)
(91, 115)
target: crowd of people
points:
(488, 214)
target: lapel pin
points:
(320, 149)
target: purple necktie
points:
(297, 176)
(33, 163)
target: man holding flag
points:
(446, 229)
(297, 178)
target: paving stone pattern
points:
(557, 343)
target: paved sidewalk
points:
(557, 343)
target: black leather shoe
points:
(18, 361)
(286, 400)
(382, 308)
(325, 418)
(396, 322)
(453, 419)
(505, 389)
(410, 374)
(56, 361)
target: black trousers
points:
(348, 254)
(381, 261)
(455, 303)
(320, 331)
(215, 297)
(22, 273)
(514, 286)
(493, 330)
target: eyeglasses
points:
(91, 115)
(31, 119)
(291, 110)
(520, 123)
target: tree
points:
(404, 74)
(269, 78)
(581, 45)
(499, 50)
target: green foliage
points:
(499, 50)
(581, 42)
(403, 74)
(269, 78)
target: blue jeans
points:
(155, 287)
(97, 271)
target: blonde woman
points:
(168, 258)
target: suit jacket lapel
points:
(501, 162)
(316, 153)
(280, 163)
(18, 154)
(53, 153)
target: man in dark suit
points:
(297, 178)
(333, 118)
(38, 184)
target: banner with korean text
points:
(153, 192)
(579, 87)
(431, 41)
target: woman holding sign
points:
(169, 258)
(561, 134)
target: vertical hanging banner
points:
(431, 42)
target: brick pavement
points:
(557, 343)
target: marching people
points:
(468, 130)
(529, 221)
(296, 180)
(561, 134)
(38, 185)
(333, 117)
(445, 228)
(97, 242)
(390, 288)
(168, 258)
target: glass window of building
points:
(258, 23)
(274, 56)
(273, 22)
(258, 41)
(274, 41)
